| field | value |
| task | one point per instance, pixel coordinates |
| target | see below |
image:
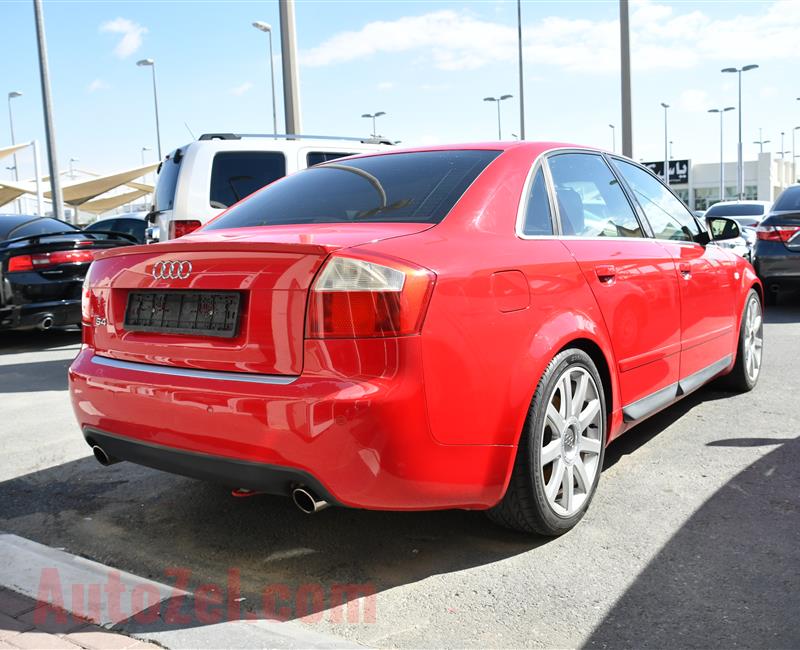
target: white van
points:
(198, 181)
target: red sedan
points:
(454, 327)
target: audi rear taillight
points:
(47, 260)
(776, 233)
(361, 298)
(181, 227)
(86, 300)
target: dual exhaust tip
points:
(304, 499)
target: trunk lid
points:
(267, 270)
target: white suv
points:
(198, 181)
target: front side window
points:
(591, 202)
(404, 187)
(237, 174)
(668, 216)
(538, 220)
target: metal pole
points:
(50, 132)
(794, 157)
(521, 83)
(625, 54)
(613, 138)
(374, 127)
(499, 131)
(721, 160)
(739, 160)
(155, 102)
(37, 169)
(782, 151)
(666, 145)
(272, 82)
(11, 96)
(291, 83)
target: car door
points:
(705, 273)
(632, 278)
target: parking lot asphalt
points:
(693, 539)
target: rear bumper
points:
(31, 315)
(358, 437)
(777, 265)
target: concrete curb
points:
(56, 577)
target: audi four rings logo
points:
(171, 270)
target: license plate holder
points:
(196, 313)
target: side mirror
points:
(723, 228)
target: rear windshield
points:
(237, 174)
(43, 226)
(167, 181)
(788, 200)
(740, 210)
(403, 187)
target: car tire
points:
(749, 350)
(560, 437)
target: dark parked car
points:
(43, 262)
(776, 255)
(132, 224)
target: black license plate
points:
(201, 313)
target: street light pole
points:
(721, 112)
(50, 132)
(625, 79)
(670, 149)
(794, 155)
(761, 142)
(613, 138)
(740, 163)
(152, 64)
(666, 145)
(498, 100)
(373, 117)
(13, 95)
(782, 139)
(265, 27)
(71, 169)
(521, 84)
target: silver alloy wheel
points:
(571, 441)
(753, 338)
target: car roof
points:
(742, 202)
(9, 222)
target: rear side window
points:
(788, 200)
(668, 216)
(403, 187)
(591, 202)
(42, 226)
(167, 182)
(538, 220)
(237, 174)
(317, 157)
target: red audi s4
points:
(451, 327)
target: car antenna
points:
(189, 130)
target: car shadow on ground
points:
(14, 342)
(787, 311)
(728, 578)
(34, 376)
(158, 525)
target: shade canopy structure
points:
(81, 192)
(12, 190)
(98, 206)
(7, 151)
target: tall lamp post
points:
(613, 138)
(794, 155)
(721, 112)
(152, 64)
(13, 95)
(740, 163)
(521, 84)
(266, 27)
(373, 117)
(666, 145)
(761, 142)
(497, 100)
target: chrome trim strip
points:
(276, 380)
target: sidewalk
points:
(26, 624)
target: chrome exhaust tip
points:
(47, 323)
(307, 502)
(102, 457)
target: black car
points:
(776, 255)
(132, 224)
(42, 265)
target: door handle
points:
(686, 270)
(606, 273)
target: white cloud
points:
(386, 85)
(97, 84)
(694, 101)
(662, 37)
(242, 88)
(132, 34)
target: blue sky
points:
(427, 64)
